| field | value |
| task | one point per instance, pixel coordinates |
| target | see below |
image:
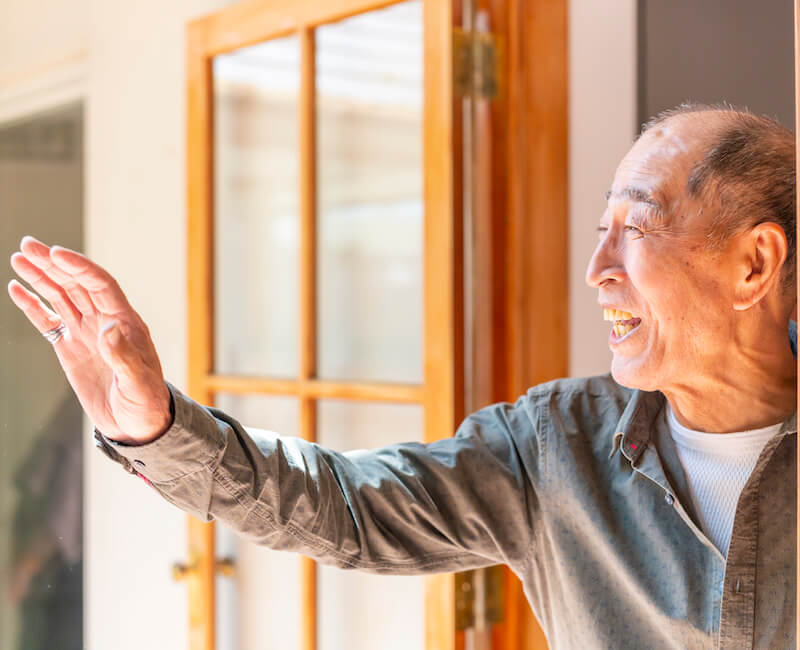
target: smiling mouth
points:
(624, 322)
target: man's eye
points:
(601, 231)
(634, 230)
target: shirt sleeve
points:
(455, 504)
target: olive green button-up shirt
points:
(577, 487)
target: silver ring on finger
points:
(54, 335)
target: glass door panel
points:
(317, 228)
(41, 421)
(363, 611)
(369, 196)
(256, 226)
(359, 611)
(258, 607)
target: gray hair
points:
(747, 172)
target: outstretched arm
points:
(459, 503)
(456, 504)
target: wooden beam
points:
(443, 372)
(536, 240)
(797, 297)
(537, 209)
(309, 603)
(308, 207)
(200, 224)
(316, 389)
(255, 21)
(308, 296)
(199, 168)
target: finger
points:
(102, 287)
(39, 254)
(48, 289)
(42, 318)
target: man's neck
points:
(739, 397)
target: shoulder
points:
(578, 400)
(589, 393)
(585, 407)
(578, 413)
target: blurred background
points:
(93, 132)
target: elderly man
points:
(652, 508)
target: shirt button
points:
(669, 499)
(138, 463)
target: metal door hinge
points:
(476, 63)
(225, 566)
(479, 598)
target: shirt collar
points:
(636, 424)
(789, 425)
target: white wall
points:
(602, 122)
(132, 59)
(135, 225)
(36, 37)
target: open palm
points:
(106, 351)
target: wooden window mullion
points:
(308, 297)
(200, 536)
(315, 389)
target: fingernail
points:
(111, 332)
(27, 238)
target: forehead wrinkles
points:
(659, 165)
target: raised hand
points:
(106, 350)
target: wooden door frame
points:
(797, 292)
(522, 250)
(521, 261)
(537, 298)
(252, 22)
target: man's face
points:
(652, 261)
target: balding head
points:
(696, 250)
(743, 171)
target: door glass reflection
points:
(41, 422)
(259, 607)
(360, 611)
(369, 200)
(255, 208)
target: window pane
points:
(359, 611)
(259, 607)
(369, 201)
(256, 207)
(41, 437)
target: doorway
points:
(41, 457)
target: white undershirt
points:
(717, 466)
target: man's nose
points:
(605, 265)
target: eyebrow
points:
(637, 195)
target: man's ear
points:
(762, 251)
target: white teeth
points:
(616, 314)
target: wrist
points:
(158, 429)
(166, 422)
